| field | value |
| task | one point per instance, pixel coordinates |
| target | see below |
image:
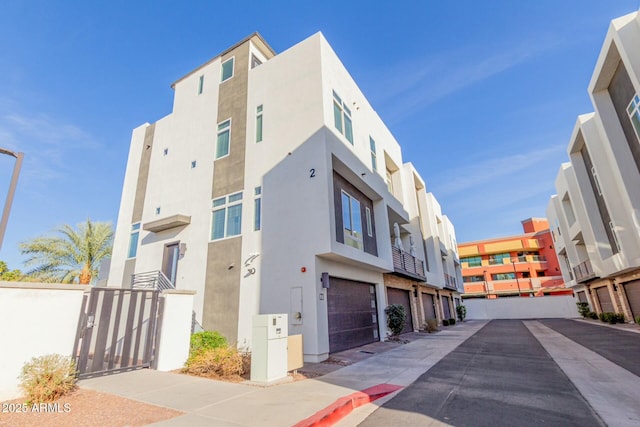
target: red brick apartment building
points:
(524, 265)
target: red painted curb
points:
(343, 406)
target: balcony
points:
(407, 265)
(450, 282)
(584, 271)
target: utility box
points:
(269, 347)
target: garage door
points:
(429, 309)
(605, 299)
(582, 296)
(632, 289)
(401, 296)
(445, 307)
(352, 314)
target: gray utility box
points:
(269, 347)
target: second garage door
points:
(429, 309)
(445, 307)
(401, 296)
(632, 289)
(605, 299)
(352, 314)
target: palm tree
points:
(73, 255)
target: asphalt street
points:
(501, 376)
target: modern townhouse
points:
(521, 265)
(274, 187)
(596, 212)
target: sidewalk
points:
(208, 402)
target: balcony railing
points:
(584, 271)
(151, 280)
(450, 282)
(407, 265)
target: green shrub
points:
(619, 317)
(445, 322)
(462, 312)
(638, 320)
(602, 317)
(206, 340)
(583, 308)
(219, 362)
(46, 378)
(593, 315)
(396, 318)
(452, 321)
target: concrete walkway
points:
(208, 402)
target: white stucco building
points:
(595, 216)
(274, 187)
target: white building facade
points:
(274, 187)
(595, 216)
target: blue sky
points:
(482, 96)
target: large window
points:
(634, 114)
(472, 261)
(259, 123)
(471, 279)
(227, 70)
(503, 276)
(133, 240)
(374, 158)
(342, 117)
(498, 258)
(224, 137)
(352, 221)
(226, 218)
(257, 209)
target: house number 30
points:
(312, 173)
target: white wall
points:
(175, 332)
(36, 319)
(563, 306)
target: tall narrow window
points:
(133, 240)
(342, 117)
(227, 70)
(634, 114)
(596, 181)
(369, 222)
(374, 158)
(352, 221)
(615, 236)
(226, 218)
(200, 84)
(224, 136)
(257, 209)
(389, 181)
(259, 123)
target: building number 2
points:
(312, 173)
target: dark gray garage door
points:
(352, 312)
(632, 289)
(401, 296)
(605, 299)
(582, 296)
(429, 310)
(446, 308)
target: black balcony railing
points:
(584, 271)
(407, 265)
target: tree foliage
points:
(72, 256)
(396, 318)
(9, 275)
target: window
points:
(374, 160)
(615, 236)
(503, 276)
(193, 164)
(259, 123)
(166, 151)
(257, 208)
(133, 241)
(226, 218)
(200, 84)
(255, 61)
(634, 113)
(470, 279)
(224, 136)
(342, 117)
(389, 181)
(369, 222)
(227, 70)
(498, 258)
(351, 221)
(595, 180)
(158, 210)
(473, 261)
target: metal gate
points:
(116, 331)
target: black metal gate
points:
(116, 331)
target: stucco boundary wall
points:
(36, 319)
(42, 318)
(562, 306)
